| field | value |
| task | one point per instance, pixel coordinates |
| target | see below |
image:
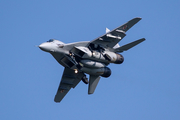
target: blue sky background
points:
(145, 87)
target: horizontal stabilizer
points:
(128, 46)
(93, 81)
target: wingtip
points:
(90, 93)
(57, 101)
(138, 18)
(143, 39)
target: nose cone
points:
(45, 47)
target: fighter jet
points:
(90, 57)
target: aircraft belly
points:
(92, 64)
(95, 71)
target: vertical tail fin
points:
(93, 81)
(107, 30)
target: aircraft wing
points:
(69, 80)
(111, 38)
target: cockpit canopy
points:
(57, 42)
(51, 40)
